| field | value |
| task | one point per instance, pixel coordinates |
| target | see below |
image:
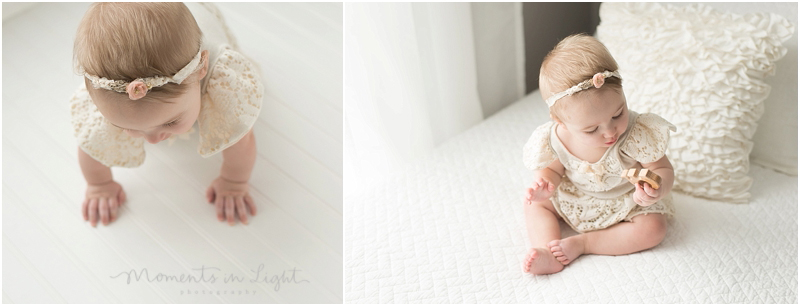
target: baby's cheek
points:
(182, 128)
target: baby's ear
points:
(555, 119)
(204, 61)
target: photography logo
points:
(213, 275)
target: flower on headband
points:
(136, 90)
(598, 80)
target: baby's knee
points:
(652, 229)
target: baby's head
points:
(132, 43)
(597, 115)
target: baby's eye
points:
(171, 123)
(592, 131)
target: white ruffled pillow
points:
(701, 70)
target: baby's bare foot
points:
(567, 249)
(540, 261)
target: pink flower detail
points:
(136, 90)
(598, 80)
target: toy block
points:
(635, 176)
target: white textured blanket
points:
(450, 229)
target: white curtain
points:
(410, 83)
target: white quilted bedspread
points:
(450, 229)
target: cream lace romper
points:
(231, 94)
(593, 196)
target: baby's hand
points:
(542, 189)
(230, 199)
(646, 196)
(104, 201)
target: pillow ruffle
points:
(537, 153)
(702, 70)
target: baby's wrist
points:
(100, 183)
(233, 180)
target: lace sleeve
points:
(231, 104)
(537, 152)
(648, 139)
(104, 142)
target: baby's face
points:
(157, 120)
(598, 118)
(154, 121)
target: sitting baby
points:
(578, 157)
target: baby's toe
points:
(554, 243)
(526, 265)
(557, 254)
(532, 255)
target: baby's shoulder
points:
(648, 137)
(233, 71)
(231, 103)
(538, 153)
(646, 125)
(105, 143)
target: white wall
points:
(499, 54)
(11, 9)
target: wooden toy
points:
(635, 176)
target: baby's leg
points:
(541, 220)
(644, 232)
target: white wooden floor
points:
(51, 255)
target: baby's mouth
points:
(612, 141)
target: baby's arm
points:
(646, 195)
(94, 172)
(103, 194)
(238, 159)
(545, 181)
(230, 191)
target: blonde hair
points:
(126, 41)
(575, 59)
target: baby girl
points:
(578, 158)
(150, 71)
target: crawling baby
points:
(150, 71)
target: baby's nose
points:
(154, 139)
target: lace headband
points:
(597, 81)
(138, 88)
